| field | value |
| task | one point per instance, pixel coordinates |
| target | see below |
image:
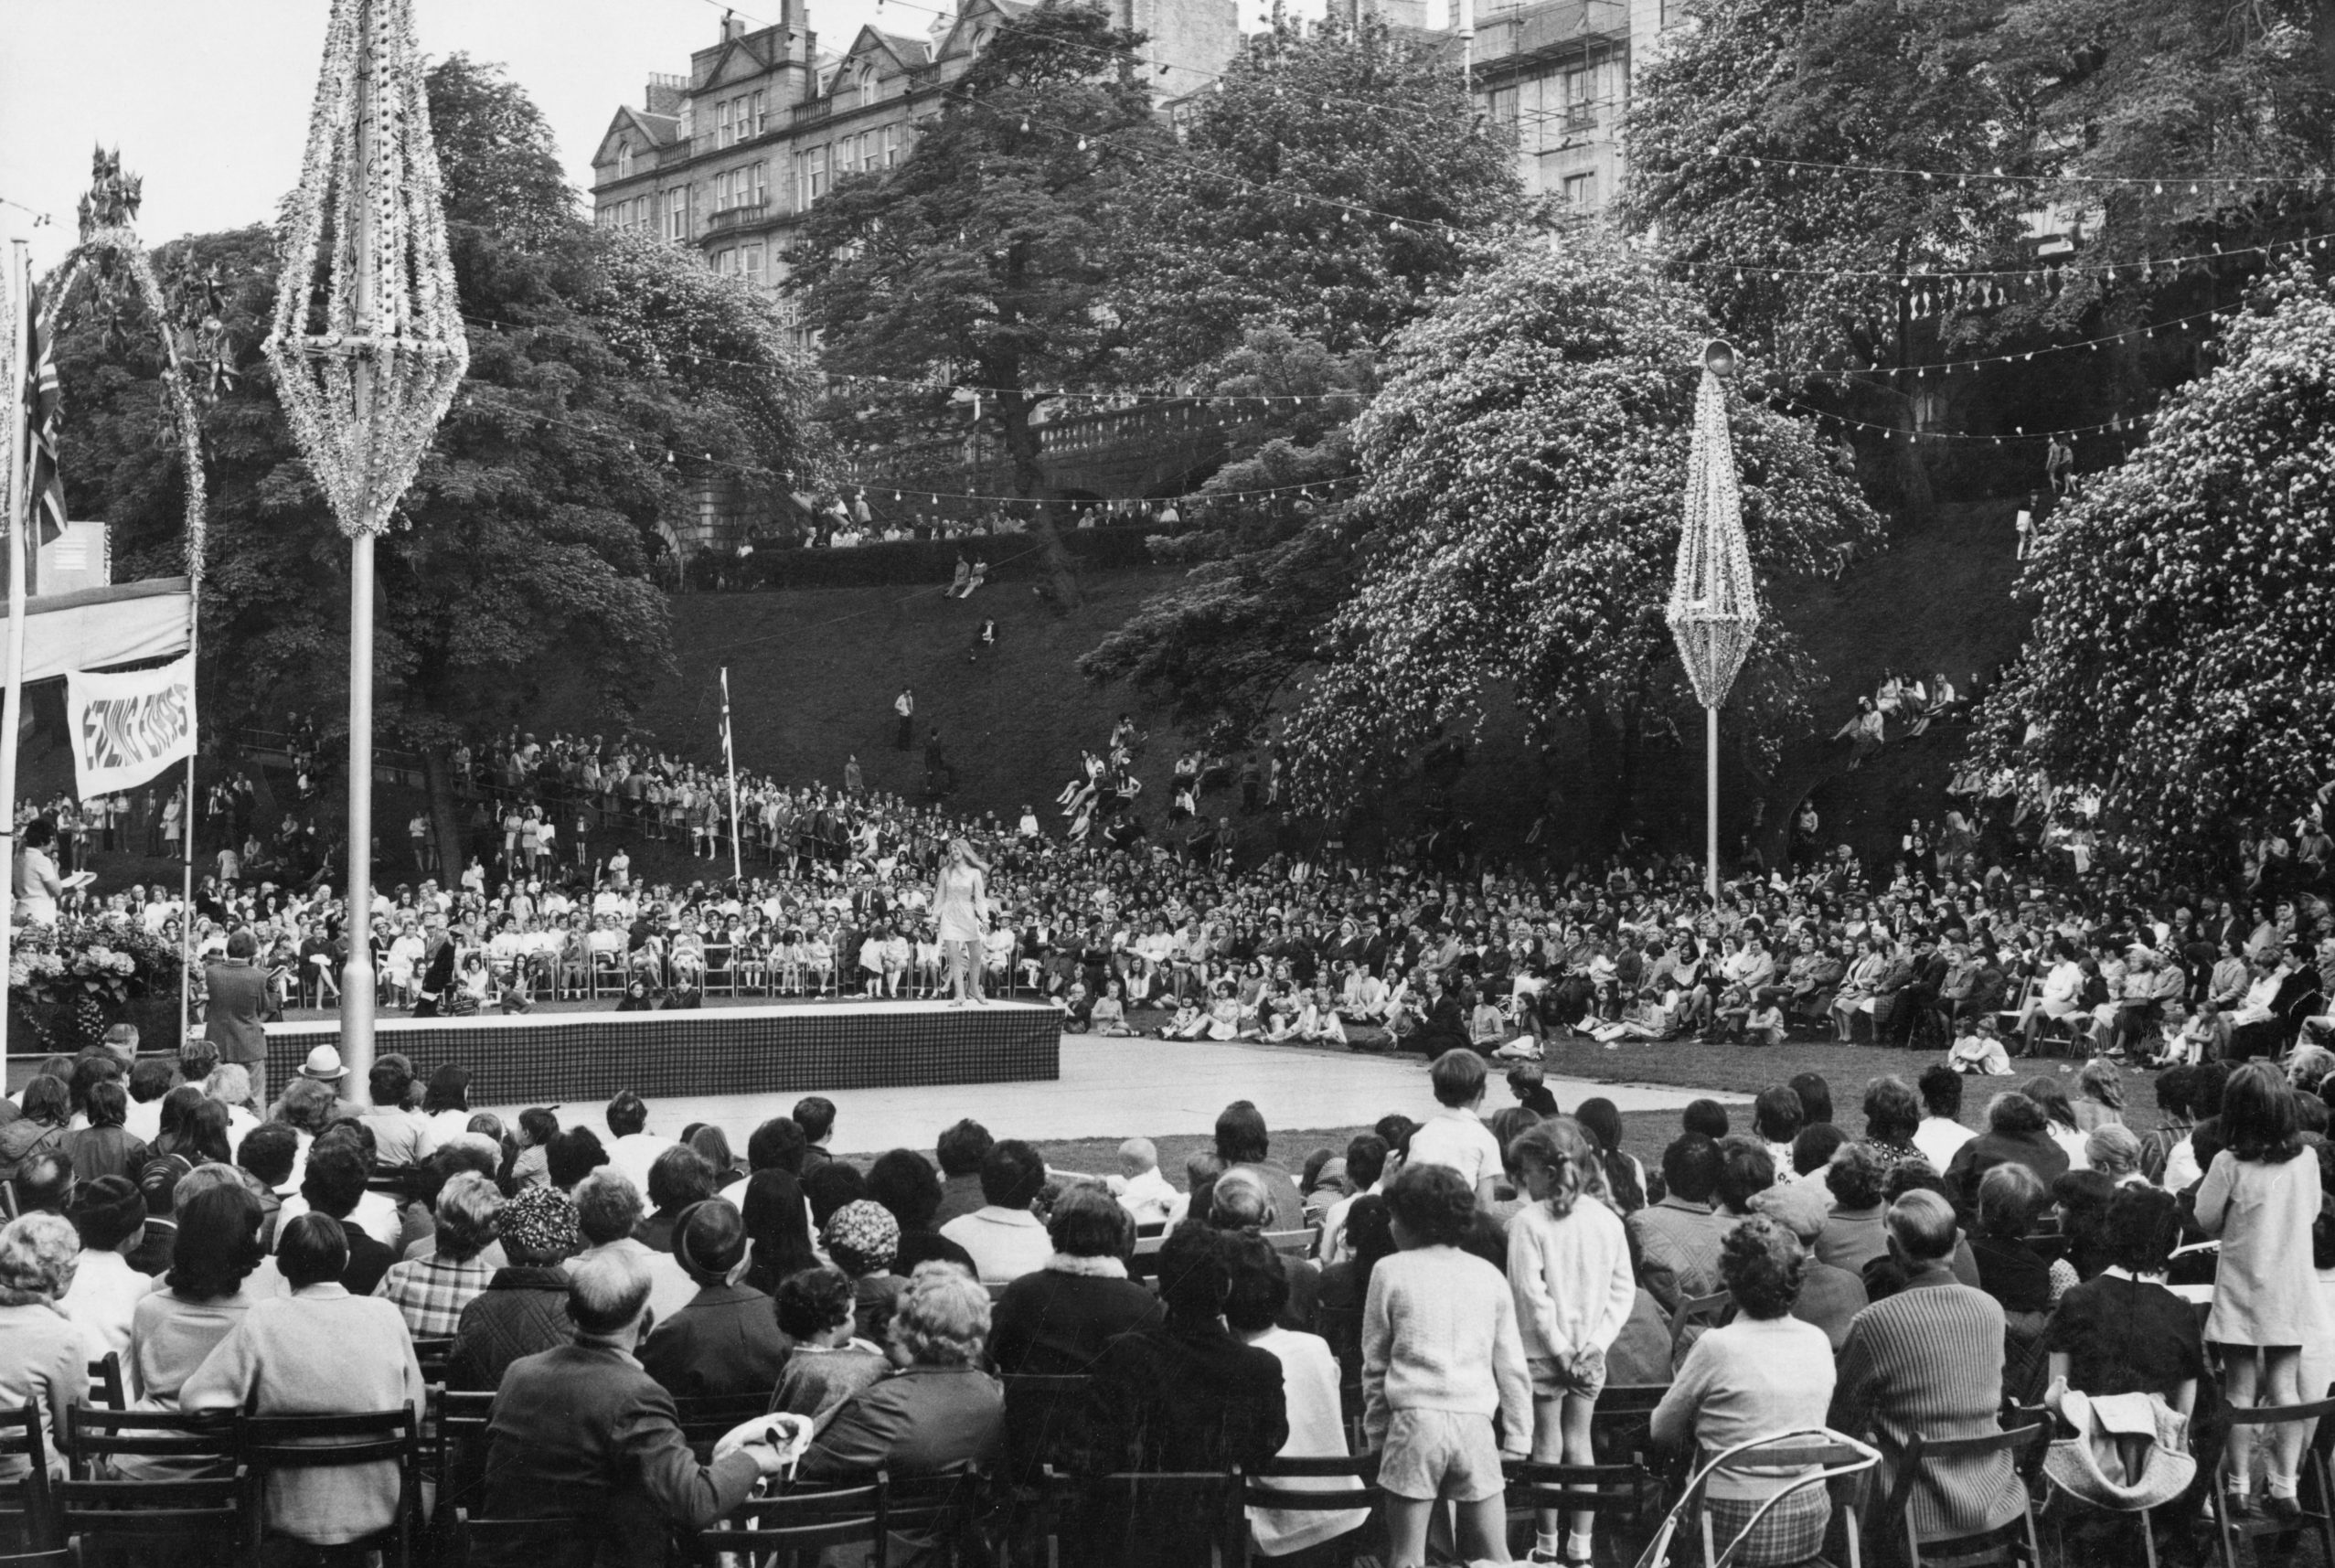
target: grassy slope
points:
(813, 676)
(1938, 598)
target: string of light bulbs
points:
(902, 486)
(2156, 183)
(1166, 392)
(2044, 270)
(2116, 425)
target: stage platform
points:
(545, 1058)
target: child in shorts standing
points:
(1440, 1359)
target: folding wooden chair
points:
(707, 1419)
(1126, 1506)
(105, 1380)
(2012, 1541)
(2315, 1490)
(431, 1352)
(1610, 1491)
(536, 1538)
(456, 1439)
(798, 1527)
(28, 1515)
(195, 1444)
(1278, 1487)
(279, 1442)
(184, 1523)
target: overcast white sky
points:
(209, 99)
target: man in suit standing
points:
(582, 1432)
(237, 993)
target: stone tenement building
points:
(729, 157)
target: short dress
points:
(955, 906)
(2266, 1291)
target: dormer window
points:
(623, 160)
(868, 88)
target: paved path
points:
(1117, 1088)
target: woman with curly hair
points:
(42, 1361)
(1763, 1372)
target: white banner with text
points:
(128, 728)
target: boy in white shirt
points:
(1454, 1136)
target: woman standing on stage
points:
(961, 904)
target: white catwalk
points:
(1117, 1088)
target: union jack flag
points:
(43, 398)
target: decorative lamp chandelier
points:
(367, 352)
(1714, 607)
(368, 349)
(1713, 612)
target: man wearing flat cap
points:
(726, 1340)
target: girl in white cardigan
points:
(1568, 1263)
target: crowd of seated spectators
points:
(1137, 937)
(1448, 1296)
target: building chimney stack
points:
(732, 27)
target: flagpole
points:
(186, 816)
(19, 491)
(730, 755)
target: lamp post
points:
(1714, 605)
(367, 349)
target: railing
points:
(738, 216)
(814, 112)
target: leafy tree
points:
(1222, 644)
(1275, 210)
(2209, 93)
(594, 409)
(2179, 664)
(1525, 471)
(985, 257)
(1834, 81)
(500, 160)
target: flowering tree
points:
(2179, 662)
(1525, 466)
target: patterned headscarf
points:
(863, 1237)
(541, 1221)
